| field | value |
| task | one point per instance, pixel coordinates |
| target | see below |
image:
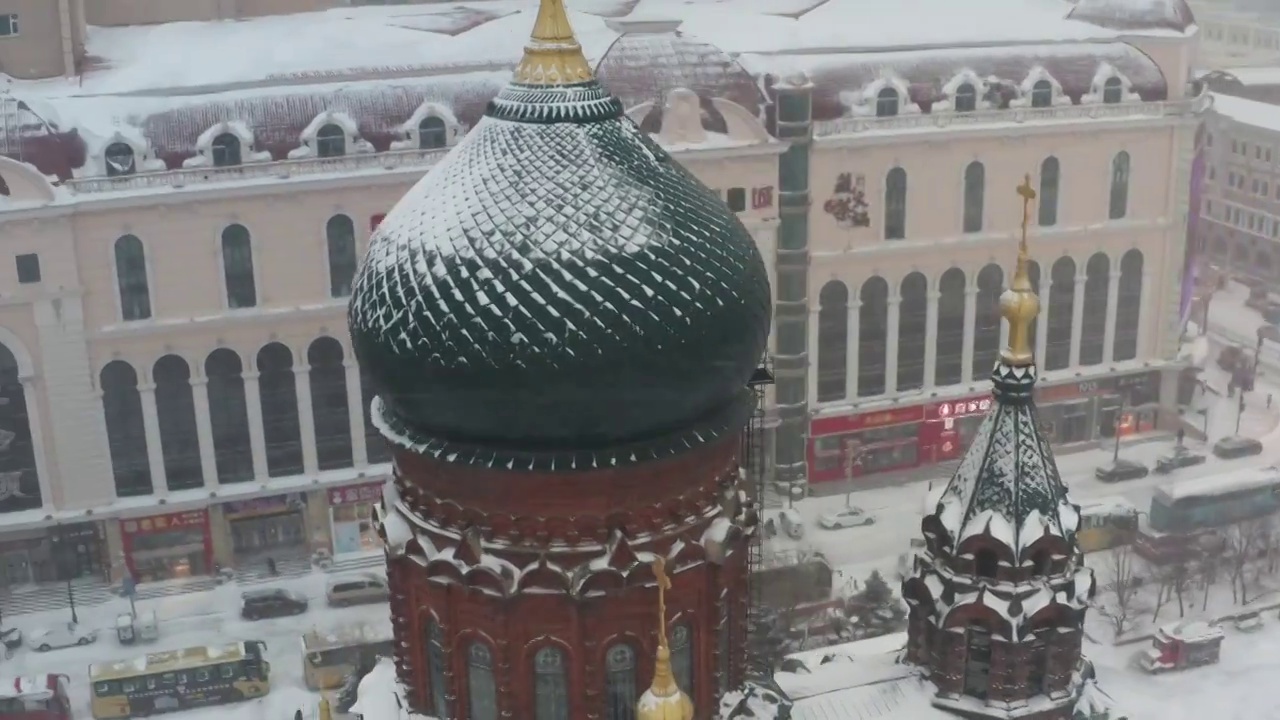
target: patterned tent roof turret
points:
(557, 292)
(1135, 15)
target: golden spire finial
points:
(663, 700)
(326, 712)
(552, 55)
(1019, 303)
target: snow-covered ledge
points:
(351, 140)
(105, 152)
(1107, 71)
(862, 103)
(1028, 84)
(237, 129)
(411, 129)
(965, 77)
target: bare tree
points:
(1122, 584)
(1243, 544)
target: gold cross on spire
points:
(552, 55)
(1019, 303)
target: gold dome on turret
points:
(1019, 304)
(664, 700)
(553, 55)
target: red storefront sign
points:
(841, 424)
(940, 437)
(351, 495)
(187, 520)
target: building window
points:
(1128, 306)
(435, 670)
(1255, 186)
(19, 455)
(965, 98)
(8, 25)
(131, 276)
(329, 410)
(682, 656)
(975, 179)
(432, 134)
(331, 141)
(237, 267)
(482, 687)
(873, 333)
(986, 328)
(225, 150)
(1062, 295)
(176, 413)
(949, 337)
(1049, 178)
(1120, 185)
(1112, 91)
(895, 204)
(550, 685)
(1037, 665)
(119, 159)
(1213, 172)
(977, 662)
(229, 417)
(620, 683)
(833, 341)
(886, 102)
(28, 267)
(736, 199)
(1042, 94)
(340, 236)
(913, 330)
(1093, 327)
(377, 450)
(126, 431)
(278, 396)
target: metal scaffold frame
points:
(753, 460)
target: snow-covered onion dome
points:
(557, 283)
(1173, 15)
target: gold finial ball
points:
(1019, 308)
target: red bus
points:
(39, 697)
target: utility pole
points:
(64, 567)
(1239, 412)
(1115, 455)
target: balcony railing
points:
(948, 119)
(280, 170)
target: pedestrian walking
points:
(271, 566)
(1182, 433)
(1268, 401)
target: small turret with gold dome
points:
(664, 700)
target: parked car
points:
(1181, 457)
(791, 522)
(1236, 446)
(1248, 622)
(271, 603)
(361, 589)
(61, 636)
(1121, 469)
(846, 518)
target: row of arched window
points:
(1059, 319)
(889, 101)
(229, 401)
(975, 190)
(238, 276)
(549, 669)
(227, 150)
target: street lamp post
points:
(60, 562)
(1239, 412)
(1115, 455)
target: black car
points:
(271, 603)
(1181, 457)
(1236, 447)
(1121, 470)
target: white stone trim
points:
(862, 102)
(352, 142)
(1025, 88)
(242, 131)
(980, 88)
(1097, 86)
(411, 128)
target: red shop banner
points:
(186, 520)
(355, 494)
(841, 424)
(940, 437)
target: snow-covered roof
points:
(1263, 116)
(1192, 631)
(1136, 15)
(1248, 76)
(38, 687)
(1237, 481)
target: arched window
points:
(1037, 665)
(886, 102)
(873, 333)
(895, 204)
(975, 180)
(435, 670)
(229, 417)
(126, 431)
(620, 683)
(1042, 94)
(131, 277)
(1048, 201)
(913, 330)
(176, 412)
(237, 267)
(682, 656)
(1060, 314)
(1128, 306)
(949, 337)
(432, 133)
(986, 326)
(331, 141)
(225, 150)
(965, 98)
(977, 666)
(340, 236)
(15, 432)
(329, 404)
(376, 447)
(1112, 91)
(1119, 186)
(279, 397)
(1093, 327)
(120, 160)
(482, 687)
(550, 684)
(1033, 273)
(833, 340)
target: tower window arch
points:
(120, 160)
(965, 98)
(682, 656)
(977, 665)
(1119, 206)
(225, 150)
(435, 670)
(620, 683)
(331, 141)
(340, 239)
(833, 341)
(237, 267)
(131, 277)
(482, 687)
(1050, 175)
(895, 204)
(887, 102)
(432, 133)
(1112, 91)
(550, 684)
(1042, 94)
(975, 181)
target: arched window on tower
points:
(120, 160)
(913, 330)
(329, 404)
(986, 331)
(15, 425)
(340, 236)
(225, 150)
(682, 656)
(833, 341)
(126, 431)
(1128, 306)
(1037, 664)
(482, 687)
(278, 395)
(895, 204)
(331, 141)
(1093, 327)
(1119, 206)
(176, 413)
(229, 417)
(975, 180)
(237, 267)
(1060, 314)
(377, 450)
(432, 133)
(620, 683)
(949, 335)
(1047, 203)
(873, 334)
(887, 101)
(1112, 91)
(965, 98)
(1042, 94)
(977, 666)
(550, 684)
(435, 670)
(131, 278)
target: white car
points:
(61, 636)
(846, 518)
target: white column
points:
(356, 410)
(257, 436)
(31, 396)
(155, 453)
(931, 338)
(891, 345)
(1145, 330)
(1113, 306)
(851, 356)
(1077, 320)
(204, 431)
(1042, 325)
(812, 339)
(306, 418)
(970, 325)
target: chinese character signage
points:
(356, 494)
(840, 424)
(164, 523)
(977, 405)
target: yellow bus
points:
(328, 657)
(1106, 523)
(179, 679)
